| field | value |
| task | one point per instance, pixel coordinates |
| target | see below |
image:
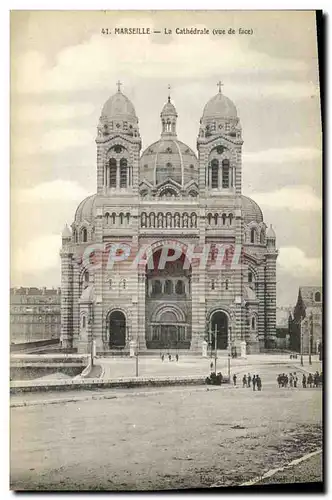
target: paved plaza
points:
(164, 438)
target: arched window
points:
(226, 284)
(213, 284)
(83, 321)
(179, 288)
(113, 218)
(231, 216)
(156, 287)
(107, 216)
(112, 178)
(110, 283)
(253, 236)
(128, 217)
(160, 218)
(215, 219)
(121, 218)
(225, 173)
(143, 219)
(253, 323)
(317, 297)
(152, 219)
(123, 173)
(168, 289)
(123, 283)
(250, 277)
(209, 219)
(224, 219)
(84, 235)
(214, 174)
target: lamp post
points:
(229, 352)
(137, 356)
(310, 336)
(215, 349)
(301, 346)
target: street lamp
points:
(301, 346)
(229, 352)
(310, 336)
(215, 349)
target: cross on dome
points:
(169, 93)
(219, 84)
(119, 85)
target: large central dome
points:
(169, 158)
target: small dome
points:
(168, 158)
(270, 232)
(85, 210)
(66, 233)
(251, 211)
(169, 109)
(219, 106)
(119, 106)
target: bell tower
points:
(118, 147)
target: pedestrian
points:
(290, 380)
(259, 383)
(286, 380)
(177, 357)
(304, 381)
(162, 357)
(279, 380)
(316, 377)
(234, 379)
(211, 365)
(310, 380)
(249, 379)
(254, 383)
(244, 381)
(169, 357)
(295, 380)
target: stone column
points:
(66, 255)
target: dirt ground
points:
(160, 440)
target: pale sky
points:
(64, 69)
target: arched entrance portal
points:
(219, 321)
(117, 329)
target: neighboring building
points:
(168, 193)
(34, 314)
(308, 314)
(283, 318)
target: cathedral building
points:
(218, 285)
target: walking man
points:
(295, 380)
(177, 357)
(259, 383)
(304, 381)
(234, 379)
(244, 381)
(290, 380)
(249, 379)
(254, 383)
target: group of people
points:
(247, 381)
(314, 380)
(285, 380)
(291, 380)
(162, 357)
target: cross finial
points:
(169, 93)
(119, 85)
(219, 84)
